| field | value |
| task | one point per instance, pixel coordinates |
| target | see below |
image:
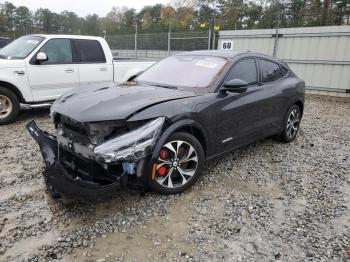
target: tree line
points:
(180, 15)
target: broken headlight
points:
(131, 146)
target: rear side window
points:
(270, 71)
(245, 70)
(89, 51)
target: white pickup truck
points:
(37, 69)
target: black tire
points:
(199, 152)
(10, 98)
(287, 136)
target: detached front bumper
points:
(63, 183)
(69, 181)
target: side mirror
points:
(235, 86)
(41, 57)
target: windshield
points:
(20, 48)
(183, 71)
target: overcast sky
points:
(84, 7)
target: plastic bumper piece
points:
(64, 182)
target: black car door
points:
(239, 113)
(274, 85)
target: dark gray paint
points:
(234, 118)
(114, 102)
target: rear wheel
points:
(9, 106)
(179, 164)
(291, 124)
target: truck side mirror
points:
(41, 57)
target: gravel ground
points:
(264, 202)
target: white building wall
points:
(319, 55)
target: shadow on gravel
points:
(27, 115)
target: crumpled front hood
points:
(112, 102)
(5, 63)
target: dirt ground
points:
(264, 202)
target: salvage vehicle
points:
(157, 130)
(36, 69)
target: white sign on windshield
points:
(34, 42)
(206, 64)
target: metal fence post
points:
(136, 40)
(169, 39)
(275, 47)
(214, 40)
(209, 38)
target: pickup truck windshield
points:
(20, 48)
(183, 71)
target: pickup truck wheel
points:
(179, 164)
(9, 106)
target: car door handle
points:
(103, 69)
(20, 73)
(69, 70)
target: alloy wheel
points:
(5, 107)
(176, 164)
(293, 123)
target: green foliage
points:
(91, 25)
(23, 22)
(180, 15)
(3, 22)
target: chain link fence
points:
(162, 42)
(159, 45)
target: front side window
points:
(184, 71)
(244, 70)
(58, 51)
(270, 71)
(89, 51)
(21, 47)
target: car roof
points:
(217, 53)
(229, 54)
(66, 36)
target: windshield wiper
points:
(3, 57)
(164, 86)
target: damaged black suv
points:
(158, 129)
